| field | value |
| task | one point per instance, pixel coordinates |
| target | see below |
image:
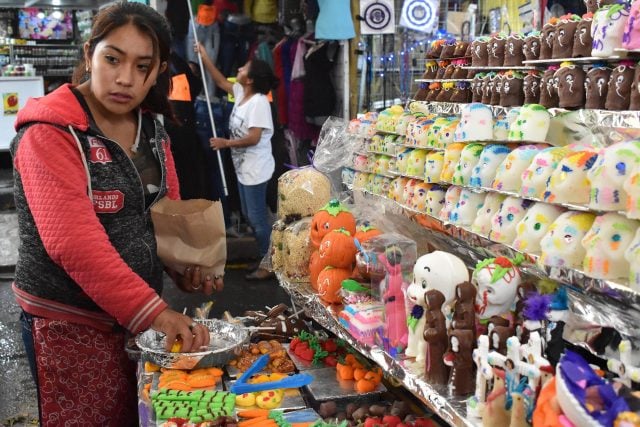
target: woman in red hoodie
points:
(90, 159)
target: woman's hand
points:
(194, 336)
(192, 280)
(198, 47)
(218, 143)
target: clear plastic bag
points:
(297, 250)
(301, 192)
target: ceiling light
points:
(56, 14)
(40, 15)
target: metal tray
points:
(327, 386)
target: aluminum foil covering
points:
(226, 340)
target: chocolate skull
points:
(487, 88)
(513, 52)
(531, 46)
(582, 41)
(446, 92)
(479, 52)
(448, 49)
(549, 91)
(547, 40)
(462, 92)
(570, 86)
(496, 51)
(635, 90)
(477, 87)
(531, 88)
(593, 5)
(461, 49)
(431, 70)
(497, 89)
(434, 90)
(561, 246)
(619, 91)
(596, 86)
(563, 41)
(512, 93)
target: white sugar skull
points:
(360, 180)
(561, 245)
(469, 158)
(433, 166)
(450, 201)
(396, 189)
(451, 157)
(482, 223)
(375, 143)
(417, 131)
(467, 207)
(532, 124)
(632, 255)
(485, 170)
(376, 184)
(402, 160)
(501, 126)
(381, 164)
(419, 200)
(433, 133)
(445, 137)
(532, 228)
(632, 188)
(435, 200)
(605, 245)
(415, 163)
(497, 280)
(407, 193)
(607, 176)
(536, 176)
(509, 173)
(569, 182)
(476, 124)
(607, 29)
(504, 222)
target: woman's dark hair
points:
(262, 75)
(148, 22)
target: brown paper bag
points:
(190, 232)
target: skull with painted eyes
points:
(569, 182)
(433, 166)
(485, 170)
(408, 191)
(632, 255)
(435, 200)
(360, 180)
(613, 166)
(596, 86)
(532, 228)
(469, 157)
(547, 38)
(450, 200)
(451, 158)
(607, 30)
(582, 40)
(605, 245)
(476, 124)
(396, 189)
(446, 135)
(561, 245)
(497, 280)
(416, 162)
(509, 173)
(482, 223)
(504, 222)
(632, 188)
(531, 47)
(536, 176)
(531, 124)
(467, 207)
(419, 200)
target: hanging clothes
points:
(281, 93)
(335, 21)
(297, 122)
(319, 92)
(262, 11)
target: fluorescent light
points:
(40, 15)
(57, 14)
(55, 2)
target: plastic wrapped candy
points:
(297, 250)
(301, 192)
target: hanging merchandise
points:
(378, 17)
(420, 15)
(334, 21)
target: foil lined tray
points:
(326, 386)
(226, 339)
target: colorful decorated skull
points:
(431, 70)
(536, 176)
(501, 129)
(496, 51)
(497, 280)
(469, 157)
(549, 91)
(531, 87)
(476, 124)
(509, 173)
(504, 222)
(434, 131)
(569, 182)
(402, 160)
(433, 166)
(451, 157)
(512, 93)
(360, 180)
(419, 200)
(561, 246)
(607, 29)
(582, 41)
(381, 165)
(491, 205)
(435, 200)
(596, 85)
(531, 47)
(619, 93)
(408, 191)
(416, 162)
(630, 39)
(632, 255)
(547, 39)
(513, 54)
(605, 245)
(565, 30)
(467, 207)
(445, 136)
(632, 188)
(450, 201)
(613, 166)
(570, 86)
(396, 189)
(532, 228)
(485, 170)
(418, 131)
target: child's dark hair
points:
(262, 75)
(148, 22)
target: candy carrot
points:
(253, 421)
(253, 413)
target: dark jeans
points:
(253, 199)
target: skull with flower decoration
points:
(497, 280)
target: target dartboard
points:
(378, 17)
(419, 15)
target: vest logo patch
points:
(108, 201)
(98, 152)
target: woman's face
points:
(243, 73)
(119, 67)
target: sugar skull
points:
(501, 129)
(532, 228)
(513, 51)
(485, 170)
(549, 90)
(607, 176)
(466, 208)
(607, 29)
(561, 245)
(361, 163)
(445, 136)
(632, 188)
(569, 182)
(605, 245)
(496, 51)
(479, 52)
(596, 85)
(619, 91)
(402, 160)
(632, 255)
(408, 191)
(434, 130)
(531, 47)
(570, 86)
(396, 189)
(547, 39)
(377, 185)
(482, 223)
(476, 124)
(360, 180)
(469, 157)
(450, 200)
(565, 30)
(451, 157)
(419, 200)
(509, 173)
(504, 222)
(433, 166)
(381, 164)
(418, 130)
(435, 200)
(582, 40)
(497, 280)
(630, 35)
(531, 87)
(536, 176)
(403, 123)
(415, 163)
(511, 94)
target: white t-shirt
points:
(254, 165)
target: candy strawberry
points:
(301, 347)
(330, 360)
(294, 342)
(329, 345)
(306, 354)
(423, 422)
(373, 422)
(391, 420)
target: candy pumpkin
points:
(365, 231)
(331, 217)
(316, 265)
(330, 282)
(338, 249)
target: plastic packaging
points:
(301, 192)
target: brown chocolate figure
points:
(596, 86)
(513, 53)
(570, 86)
(462, 92)
(434, 90)
(460, 357)
(421, 93)
(436, 48)
(498, 338)
(497, 89)
(464, 312)
(477, 87)
(442, 67)
(431, 70)
(496, 51)
(547, 40)
(512, 93)
(459, 72)
(448, 72)
(548, 91)
(619, 91)
(435, 334)
(487, 88)
(563, 41)
(531, 87)
(582, 39)
(479, 52)
(461, 49)
(448, 49)
(635, 91)
(531, 46)
(445, 93)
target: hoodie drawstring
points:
(84, 162)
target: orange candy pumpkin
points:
(332, 216)
(365, 231)
(338, 249)
(316, 265)
(330, 283)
